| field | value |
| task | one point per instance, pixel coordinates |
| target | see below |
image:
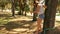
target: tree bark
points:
(34, 14)
(20, 6)
(50, 13)
(13, 7)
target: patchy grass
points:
(4, 18)
(2, 21)
(57, 14)
(19, 23)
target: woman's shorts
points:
(41, 16)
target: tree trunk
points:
(20, 12)
(34, 14)
(2, 6)
(25, 13)
(2, 9)
(13, 7)
(22, 8)
(50, 13)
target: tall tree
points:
(13, 7)
(24, 6)
(50, 13)
(20, 6)
(34, 14)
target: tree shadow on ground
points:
(18, 24)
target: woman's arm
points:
(37, 9)
(45, 6)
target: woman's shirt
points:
(41, 10)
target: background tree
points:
(24, 7)
(16, 5)
(58, 7)
(20, 6)
(13, 7)
(3, 3)
(34, 14)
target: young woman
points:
(40, 12)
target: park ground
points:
(22, 24)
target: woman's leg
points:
(39, 21)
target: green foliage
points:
(26, 8)
(58, 15)
(58, 2)
(3, 3)
(17, 8)
(2, 21)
